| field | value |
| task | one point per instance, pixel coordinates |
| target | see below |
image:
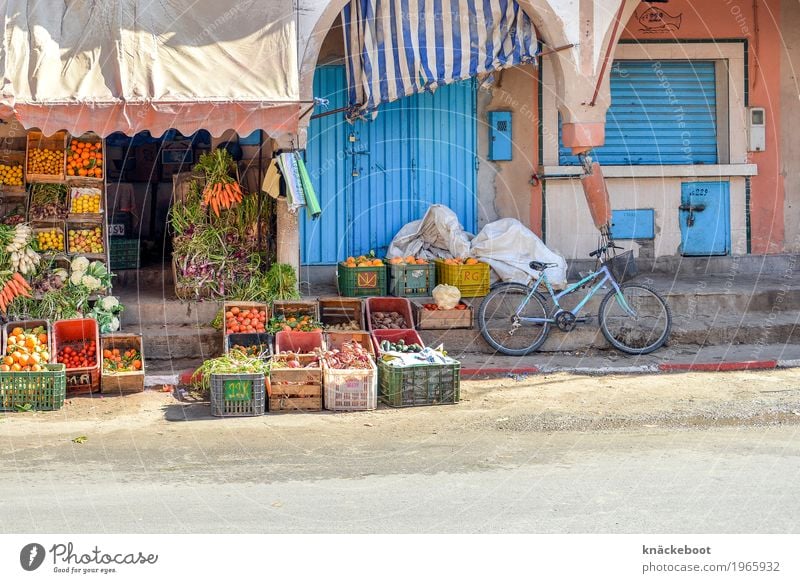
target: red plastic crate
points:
(79, 331)
(399, 305)
(407, 336)
(298, 342)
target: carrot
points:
(21, 280)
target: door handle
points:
(692, 207)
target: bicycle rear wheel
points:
(640, 332)
(500, 326)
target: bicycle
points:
(634, 318)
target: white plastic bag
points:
(437, 234)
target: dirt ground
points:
(541, 403)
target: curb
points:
(183, 378)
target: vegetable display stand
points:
(296, 308)
(361, 281)
(471, 280)
(350, 389)
(296, 389)
(252, 344)
(68, 334)
(336, 339)
(419, 384)
(45, 158)
(238, 395)
(408, 337)
(299, 342)
(401, 306)
(44, 390)
(123, 253)
(122, 383)
(443, 319)
(411, 280)
(342, 313)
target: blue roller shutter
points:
(662, 112)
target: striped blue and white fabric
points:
(395, 48)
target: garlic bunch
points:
(22, 236)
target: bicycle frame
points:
(604, 276)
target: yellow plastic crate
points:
(471, 280)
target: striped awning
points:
(396, 48)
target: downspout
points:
(593, 182)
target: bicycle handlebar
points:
(605, 248)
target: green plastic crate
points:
(419, 384)
(361, 281)
(123, 253)
(43, 391)
(411, 280)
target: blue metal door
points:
(374, 176)
(705, 218)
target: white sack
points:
(509, 247)
(438, 234)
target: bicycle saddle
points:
(539, 266)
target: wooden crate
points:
(57, 142)
(336, 339)
(443, 319)
(295, 307)
(13, 158)
(122, 383)
(87, 137)
(227, 306)
(296, 389)
(87, 225)
(336, 310)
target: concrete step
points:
(728, 330)
(151, 311)
(178, 342)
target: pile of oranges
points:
(85, 159)
(26, 350)
(245, 320)
(128, 361)
(410, 260)
(459, 261)
(363, 261)
(46, 161)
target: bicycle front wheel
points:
(638, 322)
(499, 322)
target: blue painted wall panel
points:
(662, 112)
(418, 151)
(633, 224)
(705, 218)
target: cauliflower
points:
(90, 282)
(79, 265)
(75, 278)
(109, 303)
(62, 273)
(114, 324)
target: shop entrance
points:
(374, 176)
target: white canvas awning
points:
(133, 65)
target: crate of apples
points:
(27, 350)
(89, 240)
(85, 159)
(78, 355)
(115, 360)
(245, 320)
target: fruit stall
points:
(54, 279)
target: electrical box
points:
(758, 129)
(500, 145)
(633, 224)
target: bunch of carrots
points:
(221, 191)
(15, 286)
(222, 195)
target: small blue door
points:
(375, 175)
(705, 218)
